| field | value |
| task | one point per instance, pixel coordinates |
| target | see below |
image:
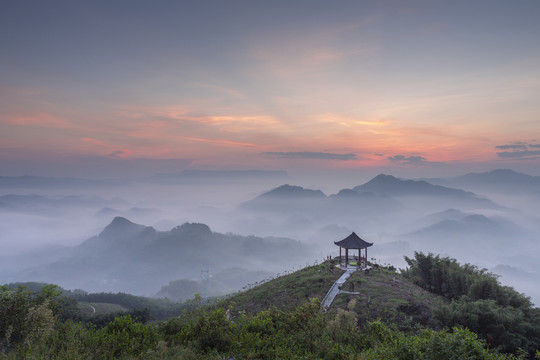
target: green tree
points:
(26, 316)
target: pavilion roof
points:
(353, 241)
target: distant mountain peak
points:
(120, 221)
(198, 228)
(293, 191)
(385, 178)
(500, 176)
(504, 171)
(391, 185)
(120, 226)
(345, 193)
(288, 196)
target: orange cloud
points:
(95, 142)
(222, 142)
(137, 112)
(233, 123)
(120, 153)
(39, 120)
(112, 151)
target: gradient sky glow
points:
(135, 87)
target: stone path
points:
(334, 290)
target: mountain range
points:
(504, 180)
(384, 199)
(138, 259)
(382, 185)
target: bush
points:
(123, 337)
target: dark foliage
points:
(503, 317)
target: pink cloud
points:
(38, 120)
(222, 142)
(95, 142)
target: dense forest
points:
(474, 318)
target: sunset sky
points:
(112, 88)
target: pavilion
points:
(353, 241)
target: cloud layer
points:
(519, 150)
(311, 155)
(181, 83)
(412, 160)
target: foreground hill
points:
(382, 293)
(432, 292)
(425, 312)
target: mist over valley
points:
(154, 239)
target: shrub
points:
(123, 336)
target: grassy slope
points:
(383, 294)
(288, 291)
(387, 295)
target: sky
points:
(131, 88)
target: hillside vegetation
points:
(383, 293)
(435, 309)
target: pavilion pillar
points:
(340, 255)
(366, 258)
(346, 257)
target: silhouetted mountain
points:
(505, 180)
(471, 236)
(289, 191)
(500, 176)
(348, 196)
(286, 198)
(350, 204)
(135, 258)
(119, 236)
(472, 224)
(390, 185)
(449, 214)
(383, 200)
(501, 180)
(421, 194)
(121, 227)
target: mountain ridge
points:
(391, 185)
(136, 258)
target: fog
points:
(82, 234)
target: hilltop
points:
(433, 292)
(383, 293)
